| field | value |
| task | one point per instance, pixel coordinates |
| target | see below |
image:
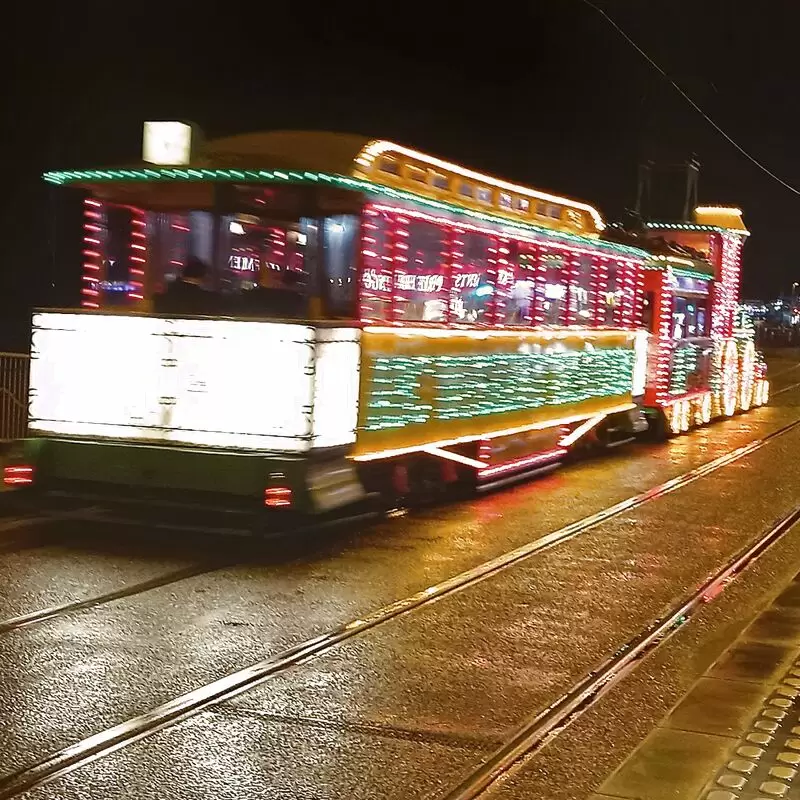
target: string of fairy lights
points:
(414, 389)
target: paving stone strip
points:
(736, 733)
(766, 761)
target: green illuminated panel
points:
(695, 367)
(408, 390)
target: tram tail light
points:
(278, 497)
(18, 475)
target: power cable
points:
(689, 100)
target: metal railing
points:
(14, 368)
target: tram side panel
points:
(276, 413)
(695, 379)
(253, 412)
(492, 402)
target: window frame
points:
(509, 251)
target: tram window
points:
(169, 234)
(471, 285)
(390, 165)
(688, 317)
(522, 204)
(376, 278)
(541, 209)
(270, 264)
(504, 200)
(516, 288)
(701, 318)
(553, 300)
(340, 236)
(580, 293)
(554, 212)
(440, 181)
(416, 174)
(420, 279)
(466, 189)
(484, 195)
(679, 320)
(116, 280)
(201, 235)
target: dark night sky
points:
(546, 93)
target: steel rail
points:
(131, 590)
(535, 732)
(193, 702)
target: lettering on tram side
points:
(376, 281)
(471, 280)
(505, 277)
(420, 283)
(251, 264)
(243, 263)
(432, 283)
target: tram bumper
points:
(247, 483)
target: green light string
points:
(290, 176)
(683, 272)
(685, 362)
(409, 390)
(717, 374)
(691, 226)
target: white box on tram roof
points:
(168, 143)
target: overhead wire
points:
(691, 102)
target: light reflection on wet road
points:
(405, 710)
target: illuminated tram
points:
(373, 320)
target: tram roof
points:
(707, 219)
(357, 163)
(256, 156)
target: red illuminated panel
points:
(138, 257)
(93, 241)
(375, 294)
(421, 275)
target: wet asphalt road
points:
(403, 711)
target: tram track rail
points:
(131, 590)
(535, 732)
(189, 704)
